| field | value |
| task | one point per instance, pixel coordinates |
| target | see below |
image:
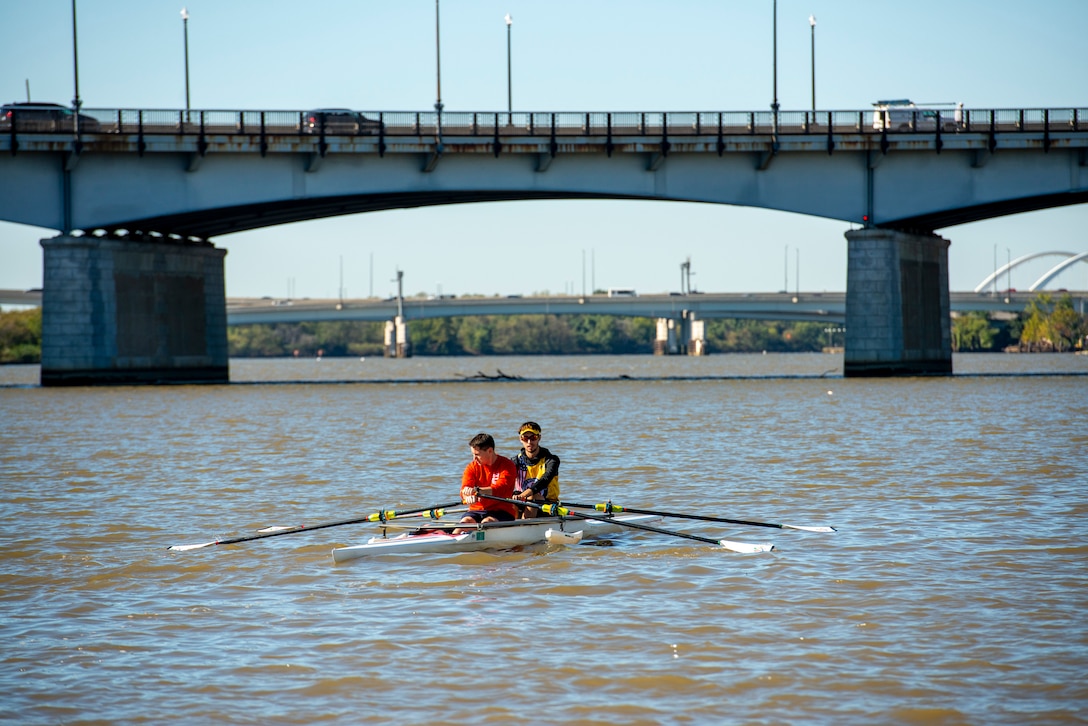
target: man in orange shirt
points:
(487, 473)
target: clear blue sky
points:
(567, 56)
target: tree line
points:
(516, 335)
(1047, 324)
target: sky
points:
(589, 55)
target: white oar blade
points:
(183, 548)
(554, 536)
(808, 529)
(746, 548)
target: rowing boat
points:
(492, 536)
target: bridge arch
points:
(1071, 259)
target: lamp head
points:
(184, 13)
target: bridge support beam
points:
(897, 309)
(131, 312)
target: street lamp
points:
(438, 78)
(509, 82)
(812, 22)
(76, 103)
(774, 101)
(185, 29)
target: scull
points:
(492, 536)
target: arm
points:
(469, 483)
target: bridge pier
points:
(897, 308)
(397, 342)
(124, 312)
(696, 335)
(681, 336)
(666, 342)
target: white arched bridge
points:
(1070, 259)
(134, 288)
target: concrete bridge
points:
(134, 288)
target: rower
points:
(538, 471)
(487, 473)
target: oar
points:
(426, 514)
(435, 512)
(610, 507)
(553, 509)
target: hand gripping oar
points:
(745, 547)
(610, 507)
(433, 512)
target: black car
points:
(44, 118)
(339, 122)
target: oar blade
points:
(555, 536)
(184, 548)
(747, 548)
(808, 529)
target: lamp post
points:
(438, 79)
(812, 22)
(185, 31)
(509, 81)
(774, 100)
(76, 103)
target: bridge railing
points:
(540, 123)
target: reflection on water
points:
(953, 592)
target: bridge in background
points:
(799, 306)
(140, 295)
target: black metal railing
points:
(151, 122)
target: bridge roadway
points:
(139, 297)
(813, 306)
(199, 174)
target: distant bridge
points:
(810, 306)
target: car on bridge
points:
(49, 117)
(339, 122)
(904, 115)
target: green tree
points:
(973, 331)
(21, 336)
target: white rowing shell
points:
(490, 538)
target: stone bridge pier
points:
(897, 310)
(121, 312)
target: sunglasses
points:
(530, 437)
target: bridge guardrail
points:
(553, 123)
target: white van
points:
(621, 292)
(904, 115)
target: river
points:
(953, 591)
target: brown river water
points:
(955, 590)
